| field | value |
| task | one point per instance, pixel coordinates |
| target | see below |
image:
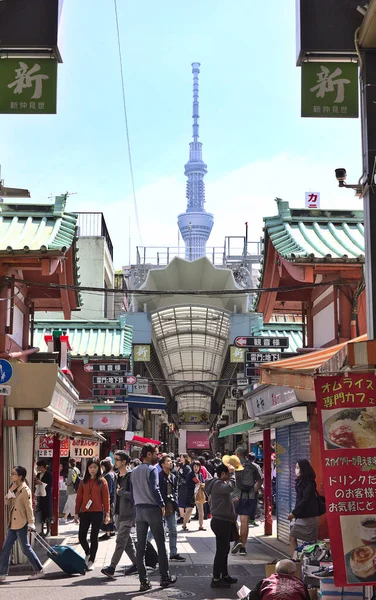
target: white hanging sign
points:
(312, 199)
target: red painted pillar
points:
(55, 485)
(268, 505)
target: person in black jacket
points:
(124, 517)
(45, 502)
(306, 511)
(183, 468)
(169, 491)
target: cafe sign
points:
(346, 406)
(28, 86)
(330, 90)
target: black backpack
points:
(246, 479)
(76, 479)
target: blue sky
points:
(255, 143)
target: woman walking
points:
(183, 468)
(306, 512)
(195, 482)
(109, 475)
(92, 500)
(45, 502)
(21, 520)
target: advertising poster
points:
(346, 407)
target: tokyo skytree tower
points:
(195, 224)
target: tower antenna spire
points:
(195, 224)
(196, 116)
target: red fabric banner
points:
(346, 407)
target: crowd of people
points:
(153, 496)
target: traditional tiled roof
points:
(309, 235)
(95, 339)
(291, 330)
(36, 227)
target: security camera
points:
(341, 175)
(358, 187)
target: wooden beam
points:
(49, 266)
(47, 303)
(65, 295)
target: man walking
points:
(223, 524)
(247, 482)
(169, 491)
(150, 510)
(124, 517)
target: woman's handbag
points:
(40, 490)
(200, 496)
(321, 504)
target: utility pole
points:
(366, 40)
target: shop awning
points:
(237, 428)
(137, 440)
(298, 372)
(147, 401)
(51, 424)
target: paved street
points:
(193, 576)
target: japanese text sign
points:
(80, 448)
(312, 199)
(236, 354)
(330, 90)
(346, 408)
(141, 353)
(28, 86)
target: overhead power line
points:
(126, 121)
(209, 293)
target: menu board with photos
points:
(346, 407)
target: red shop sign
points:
(346, 407)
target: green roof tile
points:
(314, 236)
(102, 338)
(36, 227)
(306, 235)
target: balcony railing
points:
(93, 224)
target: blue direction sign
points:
(6, 370)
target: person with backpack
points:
(124, 517)
(73, 481)
(247, 482)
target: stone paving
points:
(194, 576)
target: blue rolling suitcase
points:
(65, 557)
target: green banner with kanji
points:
(330, 90)
(28, 86)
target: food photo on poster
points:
(349, 428)
(346, 406)
(359, 546)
